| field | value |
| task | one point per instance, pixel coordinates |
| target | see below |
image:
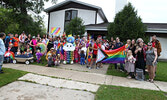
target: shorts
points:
(94, 55)
(89, 60)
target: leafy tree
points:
(75, 27)
(7, 24)
(127, 25)
(20, 9)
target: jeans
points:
(82, 61)
(1, 61)
(121, 66)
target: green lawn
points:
(10, 75)
(161, 74)
(106, 92)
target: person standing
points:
(2, 50)
(16, 43)
(151, 61)
(141, 56)
(156, 44)
(133, 47)
(22, 39)
(118, 45)
(7, 40)
(95, 48)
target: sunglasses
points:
(149, 45)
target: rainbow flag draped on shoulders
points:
(111, 56)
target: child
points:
(49, 60)
(61, 51)
(130, 64)
(82, 59)
(57, 61)
(76, 54)
(18, 52)
(49, 57)
(38, 56)
(89, 55)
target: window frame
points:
(70, 16)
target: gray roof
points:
(100, 26)
(100, 11)
(156, 27)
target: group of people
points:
(142, 56)
(138, 54)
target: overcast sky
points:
(151, 11)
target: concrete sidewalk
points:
(88, 77)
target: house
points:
(62, 13)
(95, 20)
(160, 30)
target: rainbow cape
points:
(55, 31)
(111, 56)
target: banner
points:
(111, 56)
(55, 31)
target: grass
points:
(161, 74)
(112, 71)
(10, 75)
(108, 92)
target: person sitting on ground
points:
(57, 61)
(49, 57)
(38, 56)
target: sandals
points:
(150, 80)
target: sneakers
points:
(90, 67)
(97, 68)
(129, 77)
(1, 72)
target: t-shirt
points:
(16, 41)
(153, 44)
(84, 49)
(95, 47)
(2, 47)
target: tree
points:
(75, 27)
(20, 10)
(7, 24)
(127, 25)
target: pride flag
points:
(55, 31)
(111, 56)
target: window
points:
(69, 15)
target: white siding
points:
(57, 20)
(163, 42)
(99, 19)
(88, 16)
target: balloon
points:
(43, 47)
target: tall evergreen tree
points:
(127, 25)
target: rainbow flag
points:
(111, 56)
(55, 31)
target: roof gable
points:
(76, 4)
